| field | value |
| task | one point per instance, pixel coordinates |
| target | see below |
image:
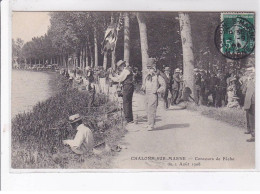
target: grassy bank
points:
(235, 117)
(37, 135)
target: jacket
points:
(157, 85)
(176, 82)
(250, 94)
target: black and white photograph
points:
(133, 90)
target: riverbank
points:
(37, 135)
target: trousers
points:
(250, 118)
(128, 91)
(151, 107)
(175, 94)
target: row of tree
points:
(75, 38)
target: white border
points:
(103, 181)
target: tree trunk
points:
(96, 47)
(113, 53)
(86, 50)
(126, 38)
(188, 58)
(105, 61)
(144, 42)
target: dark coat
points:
(197, 81)
(250, 95)
(176, 81)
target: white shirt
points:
(123, 75)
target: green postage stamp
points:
(235, 36)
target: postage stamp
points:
(235, 36)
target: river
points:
(28, 88)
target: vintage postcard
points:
(160, 90)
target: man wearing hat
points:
(249, 104)
(176, 85)
(197, 85)
(126, 79)
(154, 84)
(83, 141)
(168, 81)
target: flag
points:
(111, 34)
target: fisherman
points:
(154, 84)
(83, 141)
(126, 79)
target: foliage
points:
(39, 133)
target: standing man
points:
(176, 85)
(204, 87)
(166, 75)
(181, 88)
(126, 78)
(213, 86)
(154, 85)
(197, 85)
(249, 104)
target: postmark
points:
(235, 36)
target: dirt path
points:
(186, 139)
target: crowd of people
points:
(232, 89)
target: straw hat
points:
(75, 118)
(167, 69)
(177, 70)
(120, 62)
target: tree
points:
(126, 38)
(187, 46)
(144, 43)
(113, 53)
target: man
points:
(181, 88)
(102, 80)
(213, 82)
(126, 78)
(249, 104)
(221, 88)
(204, 87)
(154, 84)
(83, 141)
(166, 75)
(176, 85)
(197, 85)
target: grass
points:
(234, 116)
(37, 135)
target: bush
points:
(37, 135)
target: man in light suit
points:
(249, 104)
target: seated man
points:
(83, 141)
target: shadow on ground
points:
(172, 126)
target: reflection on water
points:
(28, 88)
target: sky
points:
(27, 25)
